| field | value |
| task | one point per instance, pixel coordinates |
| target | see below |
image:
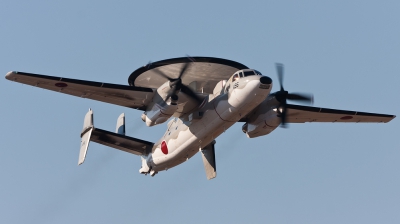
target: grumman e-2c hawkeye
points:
(204, 96)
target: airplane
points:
(201, 97)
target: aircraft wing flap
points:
(127, 96)
(302, 114)
(121, 142)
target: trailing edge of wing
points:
(127, 96)
(302, 114)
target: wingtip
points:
(10, 74)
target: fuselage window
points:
(241, 74)
(248, 73)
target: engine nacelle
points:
(264, 119)
(262, 126)
(163, 107)
(159, 114)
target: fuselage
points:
(187, 135)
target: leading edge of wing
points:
(12, 75)
(122, 95)
(300, 114)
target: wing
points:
(127, 96)
(302, 114)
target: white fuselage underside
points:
(185, 138)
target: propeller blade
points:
(162, 74)
(283, 115)
(190, 58)
(183, 69)
(176, 83)
(188, 91)
(148, 65)
(279, 70)
(282, 96)
(306, 98)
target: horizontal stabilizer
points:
(115, 140)
(121, 142)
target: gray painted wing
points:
(302, 114)
(121, 142)
(127, 96)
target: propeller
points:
(177, 85)
(282, 96)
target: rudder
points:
(85, 136)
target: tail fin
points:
(120, 129)
(85, 135)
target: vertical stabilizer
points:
(208, 154)
(120, 129)
(85, 136)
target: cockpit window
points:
(248, 73)
(235, 77)
(257, 72)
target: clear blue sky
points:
(345, 52)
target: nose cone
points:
(265, 80)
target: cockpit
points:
(240, 79)
(245, 73)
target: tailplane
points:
(116, 140)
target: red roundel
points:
(164, 147)
(346, 118)
(61, 84)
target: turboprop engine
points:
(272, 112)
(165, 101)
(264, 119)
(159, 114)
(163, 107)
